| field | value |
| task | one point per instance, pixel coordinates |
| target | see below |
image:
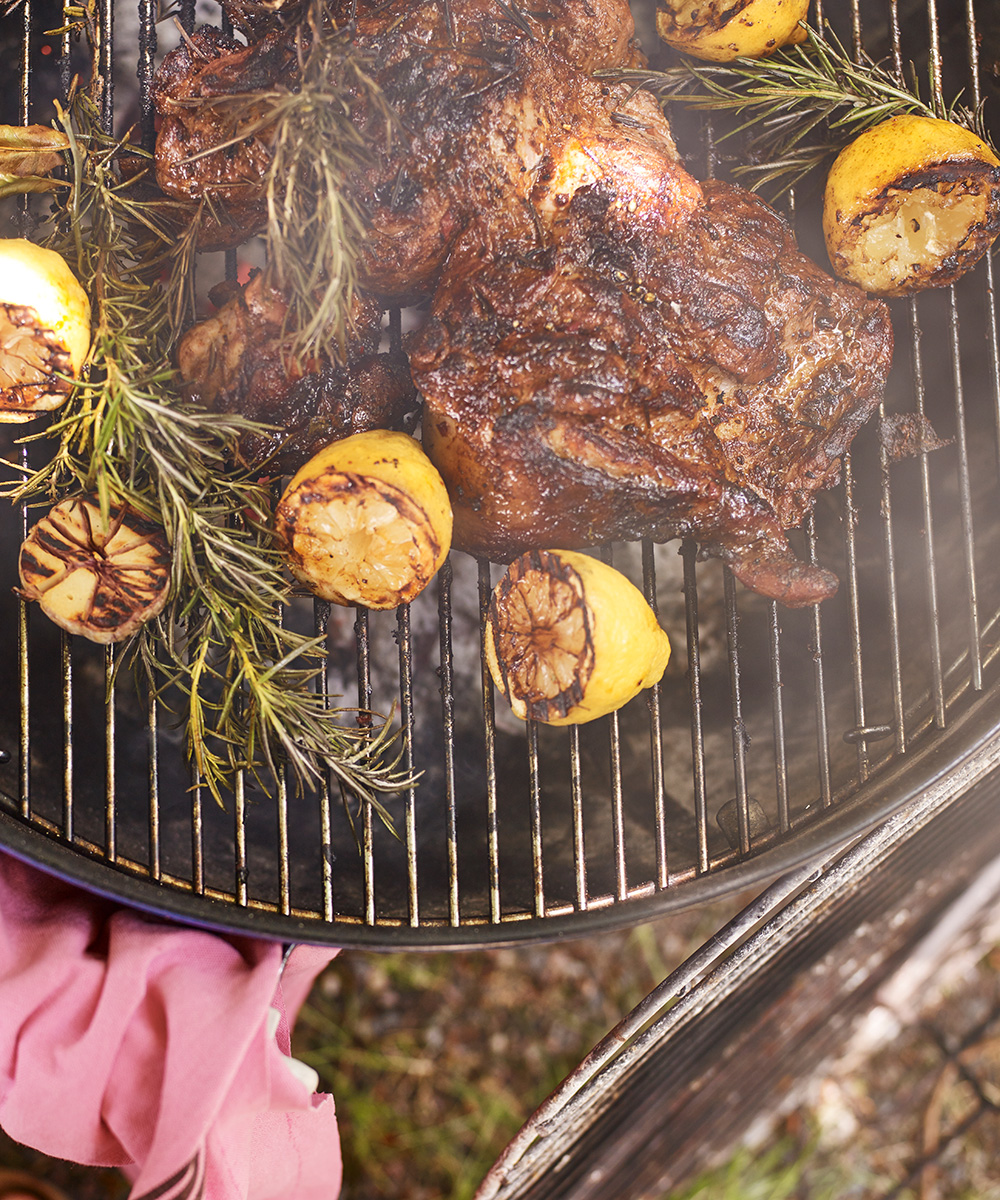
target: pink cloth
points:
(133, 1043)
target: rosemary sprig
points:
(801, 105)
(247, 682)
(323, 131)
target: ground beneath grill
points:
(436, 1060)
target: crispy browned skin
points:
(614, 349)
(239, 361)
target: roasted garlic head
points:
(721, 30)
(911, 204)
(569, 639)
(44, 329)
(100, 579)
(366, 521)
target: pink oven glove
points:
(130, 1042)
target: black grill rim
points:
(960, 758)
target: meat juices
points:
(614, 350)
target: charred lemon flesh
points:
(366, 521)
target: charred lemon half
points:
(44, 329)
(721, 30)
(366, 521)
(910, 204)
(568, 638)
(95, 576)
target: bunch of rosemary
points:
(247, 684)
(800, 105)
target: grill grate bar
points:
(579, 845)
(106, 63)
(363, 644)
(321, 624)
(656, 730)
(284, 873)
(110, 755)
(976, 97)
(406, 724)
(445, 620)
(23, 629)
(934, 36)
(617, 798)
(25, 96)
(850, 539)
(930, 547)
(242, 881)
(892, 595)
(66, 662)
(689, 552)
(535, 820)
(197, 836)
(617, 809)
(738, 725)
(816, 649)
(489, 722)
(153, 723)
(965, 499)
(144, 72)
(778, 720)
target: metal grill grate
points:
(773, 735)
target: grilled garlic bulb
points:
(44, 329)
(95, 578)
(366, 521)
(911, 204)
(569, 639)
(721, 30)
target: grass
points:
(436, 1060)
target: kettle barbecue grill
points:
(775, 736)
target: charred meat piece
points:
(480, 88)
(524, 130)
(190, 165)
(602, 389)
(790, 362)
(239, 361)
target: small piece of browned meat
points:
(228, 182)
(240, 361)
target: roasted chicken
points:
(614, 350)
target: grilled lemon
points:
(99, 579)
(44, 329)
(911, 204)
(569, 639)
(366, 521)
(721, 30)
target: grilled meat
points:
(593, 390)
(228, 183)
(239, 361)
(614, 349)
